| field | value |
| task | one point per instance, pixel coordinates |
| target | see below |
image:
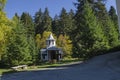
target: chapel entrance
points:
(51, 52)
(53, 55)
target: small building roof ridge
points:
(51, 37)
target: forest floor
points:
(104, 67)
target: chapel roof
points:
(53, 48)
(50, 37)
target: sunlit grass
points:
(2, 71)
(56, 64)
(43, 65)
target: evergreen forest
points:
(88, 31)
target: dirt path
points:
(105, 67)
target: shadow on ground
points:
(98, 68)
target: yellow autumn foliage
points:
(41, 39)
(5, 31)
(66, 44)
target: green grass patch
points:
(71, 60)
(2, 71)
(56, 64)
(43, 65)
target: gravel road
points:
(104, 67)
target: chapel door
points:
(53, 55)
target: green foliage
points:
(56, 25)
(37, 40)
(64, 23)
(5, 30)
(38, 22)
(42, 21)
(90, 31)
(62, 41)
(111, 33)
(34, 51)
(41, 39)
(108, 25)
(2, 4)
(46, 23)
(27, 22)
(17, 49)
(114, 17)
(89, 37)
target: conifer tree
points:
(107, 24)
(56, 25)
(114, 17)
(18, 48)
(38, 22)
(71, 22)
(64, 24)
(34, 51)
(88, 38)
(27, 22)
(47, 21)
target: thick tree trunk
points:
(118, 11)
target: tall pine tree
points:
(56, 25)
(107, 24)
(27, 21)
(89, 39)
(17, 49)
(47, 21)
(114, 17)
(64, 22)
(38, 22)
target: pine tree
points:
(56, 25)
(29, 27)
(34, 51)
(38, 22)
(88, 36)
(114, 17)
(27, 21)
(43, 21)
(71, 22)
(17, 49)
(107, 24)
(63, 22)
(47, 21)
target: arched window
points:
(52, 42)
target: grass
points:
(43, 65)
(2, 71)
(55, 64)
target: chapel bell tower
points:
(50, 41)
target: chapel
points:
(51, 52)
